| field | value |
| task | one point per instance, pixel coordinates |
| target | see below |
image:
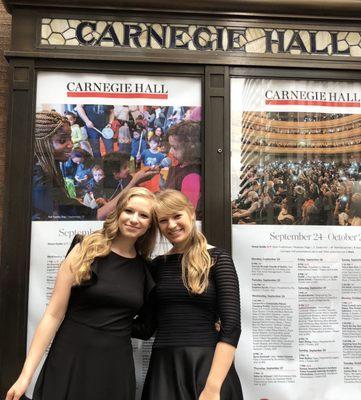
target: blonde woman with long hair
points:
(100, 287)
(196, 286)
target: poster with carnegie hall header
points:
(296, 213)
(94, 136)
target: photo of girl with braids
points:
(50, 198)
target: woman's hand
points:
(144, 174)
(18, 388)
(100, 201)
(89, 124)
(209, 393)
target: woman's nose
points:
(134, 218)
(171, 223)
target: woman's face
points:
(136, 217)
(176, 148)
(158, 132)
(176, 227)
(62, 144)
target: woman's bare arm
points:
(82, 114)
(47, 327)
(222, 361)
(228, 302)
(108, 207)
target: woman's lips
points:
(175, 233)
(132, 227)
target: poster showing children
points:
(296, 147)
(96, 135)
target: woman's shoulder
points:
(215, 251)
(154, 265)
(39, 176)
(220, 258)
(78, 238)
(166, 259)
(161, 258)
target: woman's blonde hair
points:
(196, 260)
(98, 243)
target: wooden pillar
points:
(217, 221)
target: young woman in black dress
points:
(100, 287)
(196, 286)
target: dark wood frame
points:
(27, 45)
(26, 58)
(286, 8)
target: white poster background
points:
(270, 307)
(296, 95)
(326, 260)
(53, 89)
(50, 240)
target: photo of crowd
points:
(86, 154)
(299, 168)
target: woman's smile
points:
(132, 227)
(175, 232)
(176, 227)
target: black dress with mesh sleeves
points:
(186, 335)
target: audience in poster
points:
(299, 169)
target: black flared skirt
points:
(87, 364)
(180, 373)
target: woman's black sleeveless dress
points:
(91, 356)
(186, 336)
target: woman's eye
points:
(144, 216)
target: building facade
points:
(273, 89)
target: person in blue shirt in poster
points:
(139, 144)
(152, 157)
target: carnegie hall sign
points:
(200, 38)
